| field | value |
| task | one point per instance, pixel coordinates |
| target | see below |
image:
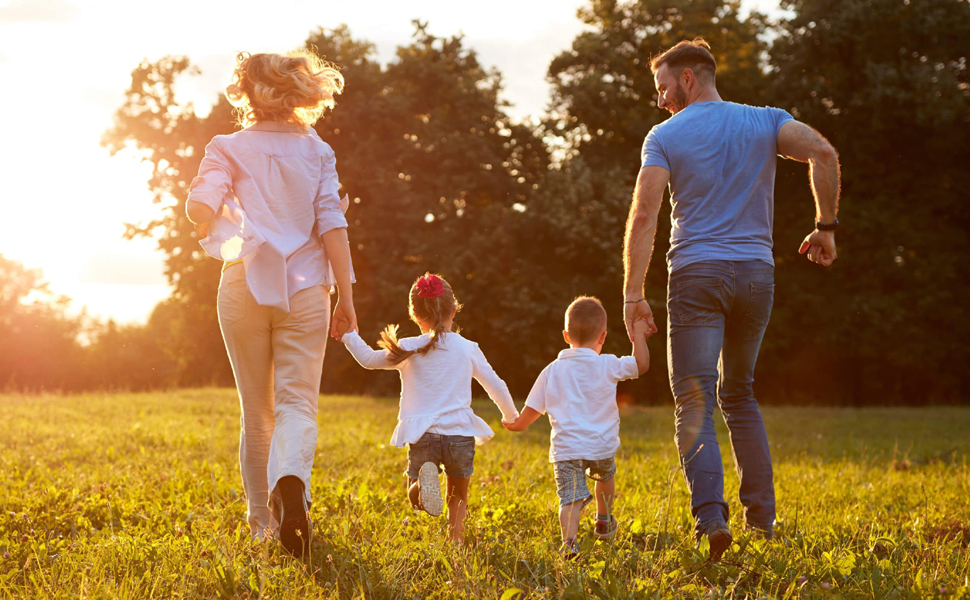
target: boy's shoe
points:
(605, 530)
(429, 487)
(296, 529)
(719, 538)
(569, 549)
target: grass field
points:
(139, 496)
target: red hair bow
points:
(430, 286)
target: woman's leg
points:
(299, 341)
(246, 331)
(457, 496)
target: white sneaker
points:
(429, 487)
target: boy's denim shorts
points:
(571, 478)
(455, 452)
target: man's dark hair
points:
(694, 55)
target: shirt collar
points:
(577, 353)
(277, 126)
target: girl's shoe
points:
(429, 487)
(296, 529)
(605, 530)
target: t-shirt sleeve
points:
(618, 369)
(653, 154)
(537, 396)
(780, 117)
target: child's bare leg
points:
(604, 490)
(414, 493)
(569, 519)
(457, 496)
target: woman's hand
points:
(344, 319)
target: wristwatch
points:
(827, 226)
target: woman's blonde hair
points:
(431, 300)
(296, 87)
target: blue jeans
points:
(718, 312)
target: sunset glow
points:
(65, 201)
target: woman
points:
(267, 198)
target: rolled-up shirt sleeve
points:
(214, 179)
(326, 206)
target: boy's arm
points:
(641, 352)
(527, 417)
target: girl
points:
(436, 420)
(268, 195)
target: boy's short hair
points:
(585, 319)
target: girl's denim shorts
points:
(456, 453)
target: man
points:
(719, 160)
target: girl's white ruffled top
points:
(436, 388)
(273, 187)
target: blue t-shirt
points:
(721, 157)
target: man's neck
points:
(706, 94)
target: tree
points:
(887, 82)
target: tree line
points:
(523, 217)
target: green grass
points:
(139, 495)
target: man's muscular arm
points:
(641, 228)
(800, 142)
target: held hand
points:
(637, 311)
(510, 425)
(820, 246)
(344, 319)
(641, 329)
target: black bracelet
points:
(634, 301)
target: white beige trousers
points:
(277, 359)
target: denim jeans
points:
(718, 312)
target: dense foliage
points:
(521, 218)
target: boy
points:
(578, 391)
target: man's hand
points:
(820, 246)
(636, 311)
(344, 319)
(510, 425)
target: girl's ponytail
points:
(432, 301)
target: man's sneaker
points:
(429, 487)
(720, 538)
(569, 549)
(296, 529)
(605, 530)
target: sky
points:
(65, 66)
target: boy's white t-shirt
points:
(578, 392)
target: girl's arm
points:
(493, 384)
(364, 354)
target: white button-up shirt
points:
(274, 189)
(578, 391)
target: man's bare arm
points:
(800, 142)
(641, 228)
